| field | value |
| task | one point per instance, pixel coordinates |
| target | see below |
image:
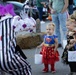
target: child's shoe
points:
(53, 70)
(45, 70)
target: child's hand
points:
(72, 41)
(67, 46)
(55, 50)
(39, 46)
(52, 11)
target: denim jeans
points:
(59, 19)
(40, 9)
(70, 8)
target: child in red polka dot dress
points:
(49, 49)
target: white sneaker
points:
(47, 18)
(42, 22)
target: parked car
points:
(17, 6)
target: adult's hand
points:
(52, 11)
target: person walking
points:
(40, 4)
(59, 16)
(49, 49)
(12, 59)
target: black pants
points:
(72, 66)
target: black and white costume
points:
(12, 61)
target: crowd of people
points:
(14, 61)
(60, 13)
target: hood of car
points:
(15, 3)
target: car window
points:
(17, 7)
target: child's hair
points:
(74, 34)
(72, 21)
(52, 25)
(73, 16)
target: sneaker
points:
(45, 70)
(42, 22)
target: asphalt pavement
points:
(61, 69)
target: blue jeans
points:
(70, 8)
(59, 19)
(40, 9)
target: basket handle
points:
(36, 50)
